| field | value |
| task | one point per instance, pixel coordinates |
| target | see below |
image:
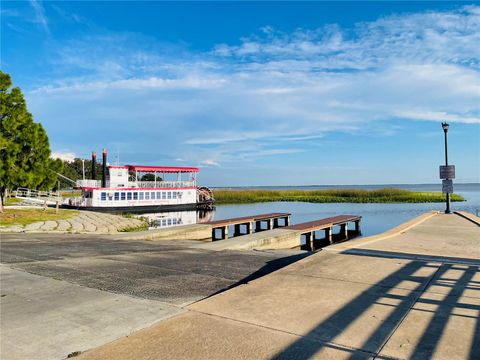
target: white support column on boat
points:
(155, 178)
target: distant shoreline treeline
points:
(386, 195)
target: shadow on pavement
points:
(381, 292)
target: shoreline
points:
(376, 196)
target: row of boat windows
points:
(144, 195)
(168, 222)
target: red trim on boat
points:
(136, 189)
(166, 169)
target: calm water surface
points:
(377, 218)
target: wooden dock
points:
(263, 231)
(294, 236)
(250, 224)
(309, 229)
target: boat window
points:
(159, 194)
(152, 195)
(117, 196)
(147, 196)
(169, 195)
(140, 196)
(174, 195)
(164, 195)
(135, 196)
(169, 221)
(103, 196)
(164, 222)
(122, 196)
(129, 196)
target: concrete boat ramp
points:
(412, 293)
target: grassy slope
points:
(28, 216)
(330, 196)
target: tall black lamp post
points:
(447, 197)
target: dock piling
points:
(328, 235)
(357, 226)
(236, 230)
(344, 231)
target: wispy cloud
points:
(40, 16)
(270, 91)
(209, 162)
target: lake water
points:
(376, 218)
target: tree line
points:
(24, 147)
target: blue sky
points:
(269, 93)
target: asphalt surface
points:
(167, 271)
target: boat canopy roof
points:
(164, 169)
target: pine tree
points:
(24, 146)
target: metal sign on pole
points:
(447, 171)
(447, 186)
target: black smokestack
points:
(94, 165)
(104, 168)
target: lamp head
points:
(445, 126)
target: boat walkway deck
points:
(412, 292)
(251, 223)
(290, 237)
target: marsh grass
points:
(71, 193)
(28, 216)
(386, 195)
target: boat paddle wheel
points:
(205, 199)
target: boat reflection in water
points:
(177, 218)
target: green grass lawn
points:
(28, 216)
(387, 195)
(12, 201)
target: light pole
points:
(83, 168)
(447, 197)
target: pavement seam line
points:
(407, 256)
(310, 338)
(420, 293)
(357, 282)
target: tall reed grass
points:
(387, 195)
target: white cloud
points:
(209, 162)
(269, 90)
(63, 155)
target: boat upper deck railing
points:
(138, 184)
(162, 184)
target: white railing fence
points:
(37, 195)
(162, 184)
(138, 184)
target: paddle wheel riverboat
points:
(136, 188)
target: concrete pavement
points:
(414, 294)
(45, 318)
(62, 293)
